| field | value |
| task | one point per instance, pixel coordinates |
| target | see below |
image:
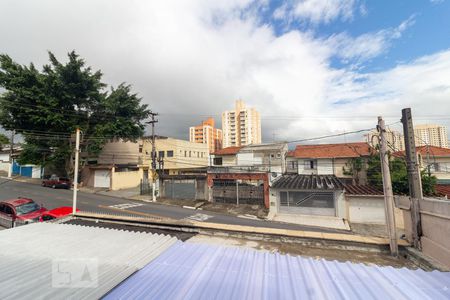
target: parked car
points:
(57, 182)
(20, 211)
(56, 213)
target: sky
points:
(311, 67)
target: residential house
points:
(347, 161)
(434, 159)
(243, 174)
(307, 195)
(262, 157)
(120, 165)
(26, 170)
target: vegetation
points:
(399, 176)
(46, 106)
(4, 140)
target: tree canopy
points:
(4, 140)
(46, 106)
(399, 176)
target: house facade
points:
(347, 161)
(269, 158)
(435, 160)
(313, 194)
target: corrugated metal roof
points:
(308, 182)
(27, 253)
(198, 271)
(365, 190)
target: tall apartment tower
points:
(206, 133)
(433, 135)
(394, 139)
(241, 126)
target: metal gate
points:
(180, 189)
(308, 203)
(238, 193)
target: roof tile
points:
(345, 150)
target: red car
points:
(58, 212)
(19, 211)
(57, 182)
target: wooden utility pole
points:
(75, 174)
(387, 188)
(11, 152)
(152, 122)
(414, 179)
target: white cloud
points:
(189, 59)
(367, 45)
(319, 11)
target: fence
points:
(435, 216)
(145, 187)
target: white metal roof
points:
(27, 254)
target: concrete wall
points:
(370, 210)
(435, 216)
(125, 180)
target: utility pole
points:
(153, 121)
(11, 152)
(387, 189)
(414, 179)
(75, 175)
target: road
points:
(52, 198)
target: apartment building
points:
(241, 126)
(431, 135)
(395, 139)
(179, 156)
(206, 133)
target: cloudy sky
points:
(311, 67)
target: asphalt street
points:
(52, 198)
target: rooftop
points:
(28, 254)
(424, 150)
(345, 150)
(443, 190)
(201, 271)
(228, 151)
(365, 190)
(308, 182)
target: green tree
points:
(47, 106)
(399, 176)
(4, 140)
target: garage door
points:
(308, 203)
(102, 178)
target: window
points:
(140, 148)
(311, 164)
(217, 161)
(185, 153)
(190, 154)
(170, 153)
(293, 165)
(161, 153)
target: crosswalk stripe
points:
(126, 205)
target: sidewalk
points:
(316, 221)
